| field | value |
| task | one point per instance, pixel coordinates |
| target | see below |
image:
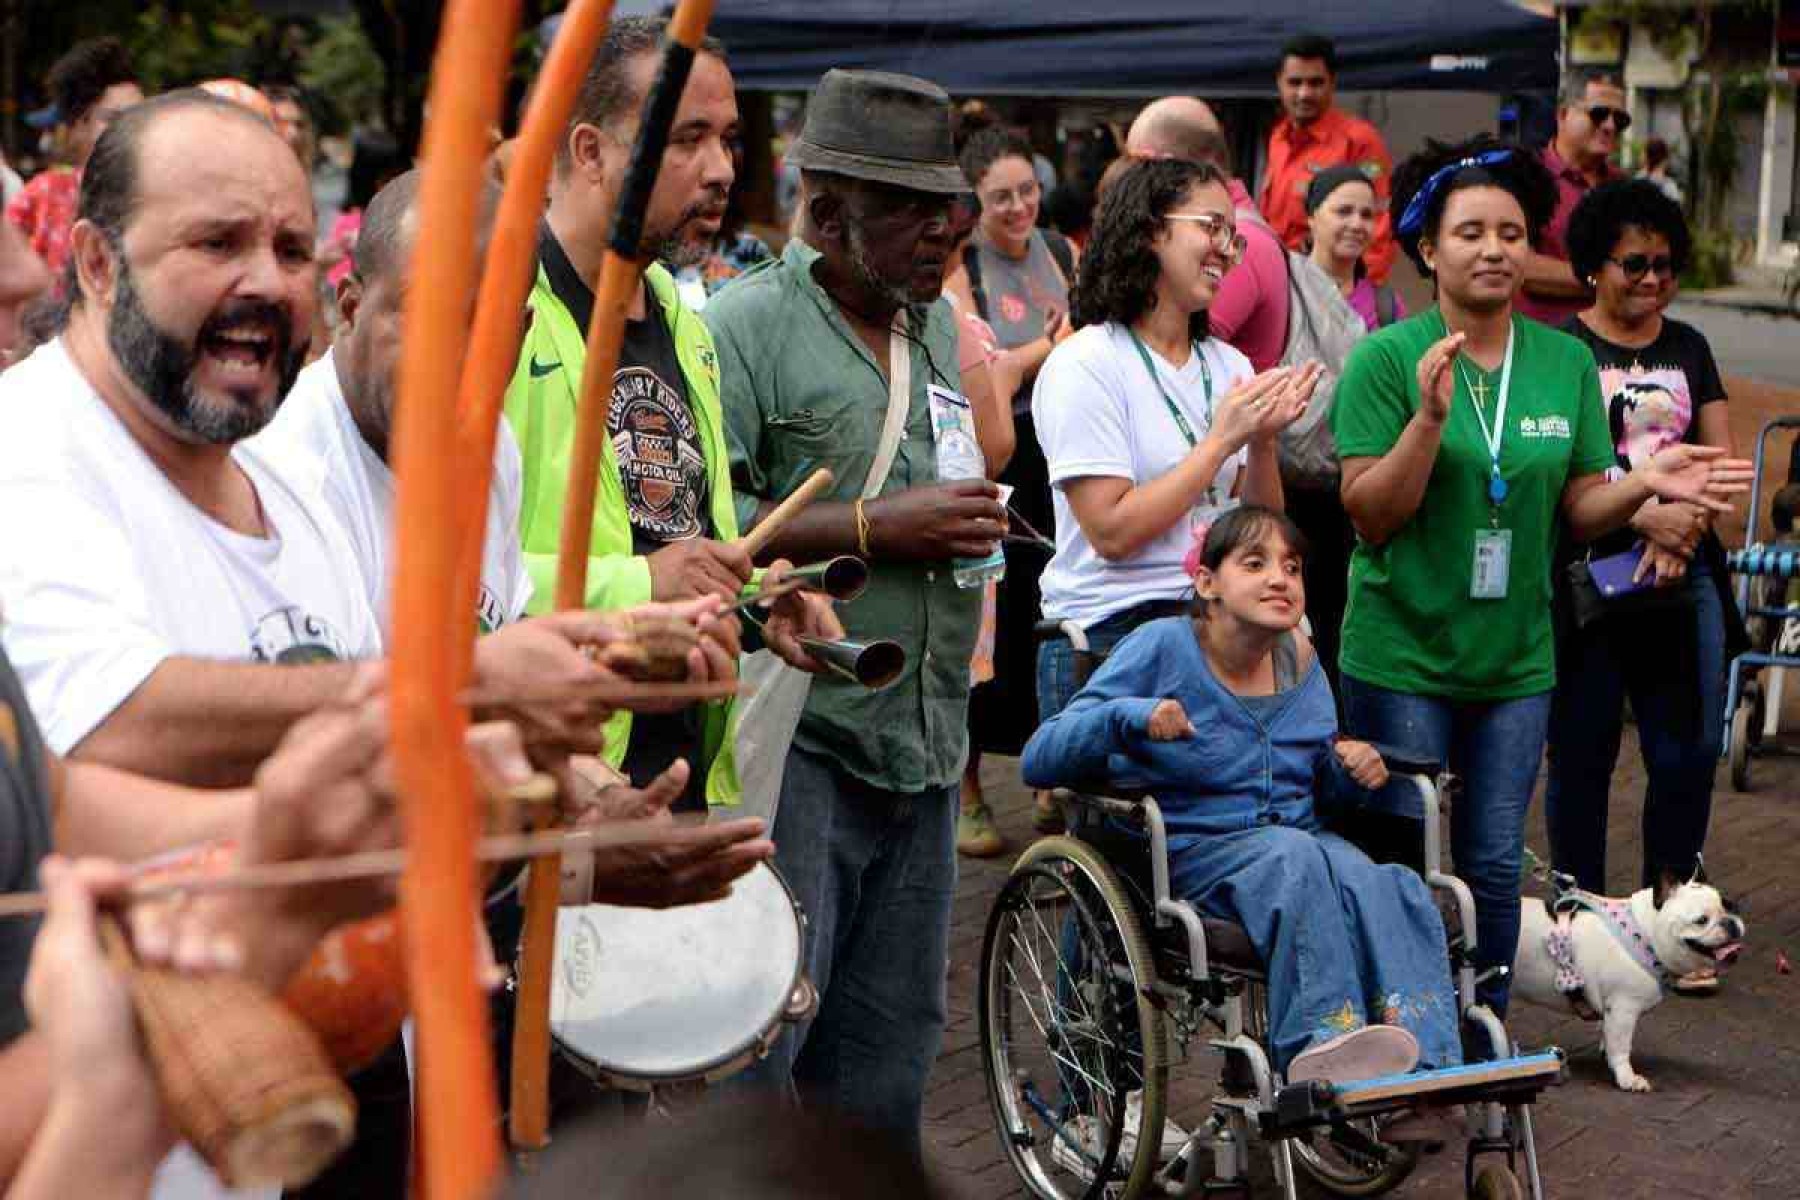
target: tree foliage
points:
(1726, 43)
(343, 74)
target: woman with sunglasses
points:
(1151, 428)
(1659, 387)
(1467, 435)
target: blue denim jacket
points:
(1238, 771)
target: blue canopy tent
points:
(1137, 47)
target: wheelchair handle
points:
(1400, 762)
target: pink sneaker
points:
(1367, 1053)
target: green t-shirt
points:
(1410, 624)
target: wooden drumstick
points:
(758, 539)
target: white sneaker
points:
(1174, 1137)
(1087, 1133)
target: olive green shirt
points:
(800, 390)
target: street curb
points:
(1765, 308)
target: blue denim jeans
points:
(1495, 749)
(875, 872)
(1586, 719)
(1345, 942)
(1056, 668)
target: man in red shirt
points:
(89, 85)
(1250, 309)
(1590, 121)
(1313, 135)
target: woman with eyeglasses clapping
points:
(1665, 649)
(1151, 427)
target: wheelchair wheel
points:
(1496, 1182)
(1352, 1161)
(1746, 729)
(1067, 1033)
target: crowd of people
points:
(1257, 519)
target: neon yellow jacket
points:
(540, 404)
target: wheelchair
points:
(1095, 981)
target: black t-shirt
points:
(662, 467)
(24, 840)
(1653, 396)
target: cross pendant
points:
(1479, 389)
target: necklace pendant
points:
(1497, 489)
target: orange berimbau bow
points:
(443, 466)
(432, 625)
(512, 256)
(620, 274)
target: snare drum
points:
(647, 998)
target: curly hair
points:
(1604, 215)
(1119, 268)
(78, 79)
(1522, 175)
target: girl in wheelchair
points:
(1227, 717)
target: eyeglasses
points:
(1225, 237)
(1600, 114)
(1026, 193)
(1636, 266)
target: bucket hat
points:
(883, 127)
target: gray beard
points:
(863, 272)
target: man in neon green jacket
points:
(664, 518)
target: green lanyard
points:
(1181, 421)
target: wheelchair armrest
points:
(1125, 806)
(1401, 763)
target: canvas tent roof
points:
(1136, 47)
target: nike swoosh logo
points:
(539, 370)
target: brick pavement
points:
(1722, 1124)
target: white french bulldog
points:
(1622, 957)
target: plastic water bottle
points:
(959, 457)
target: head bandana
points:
(1412, 221)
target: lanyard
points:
(1181, 421)
(1495, 434)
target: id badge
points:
(1493, 564)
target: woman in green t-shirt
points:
(1465, 431)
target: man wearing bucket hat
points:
(830, 356)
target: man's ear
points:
(349, 299)
(587, 150)
(825, 210)
(96, 261)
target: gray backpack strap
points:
(972, 267)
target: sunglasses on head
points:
(1599, 114)
(1636, 266)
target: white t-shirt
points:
(1098, 413)
(313, 432)
(106, 569)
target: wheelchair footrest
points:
(1300, 1106)
(1483, 1080)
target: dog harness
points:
(1619, 920)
